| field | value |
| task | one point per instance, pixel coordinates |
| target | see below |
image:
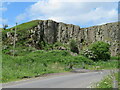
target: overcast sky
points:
(84, 14)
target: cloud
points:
(21, 17)
(1, 25)
(3, 9)
(81, 13)
(3, 21)
(61, 0)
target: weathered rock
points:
(61, 48)
(49, 31)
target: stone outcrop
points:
(108, 33)
(50, 32)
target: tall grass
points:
(37, 63)
(103, 65)
(107, 82)
(115, 58)
(42, 62)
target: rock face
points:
(108, 33)
(48, 31)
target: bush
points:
(98, 51)
(73, 46)
(90, 54)
(58, 44)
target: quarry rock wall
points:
(50, 32)
(61, 32)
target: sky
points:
(84, 14)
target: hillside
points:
(44, 46)
(41, 34)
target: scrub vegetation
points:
(30, 61)
(107, 82)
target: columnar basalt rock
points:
(107, 33)
(50, 32)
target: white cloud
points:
(21, 17)
(3, 9)
(61, 0)
(4, 21)
(72, 12)
(1, 25)
(3, 6)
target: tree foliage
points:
(98, 51)
(73, 46)
(5, 26)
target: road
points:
(72, 80)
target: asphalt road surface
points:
(71, 80)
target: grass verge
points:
(99, 65)
(38, 63)
(43, 62)
(107, 82)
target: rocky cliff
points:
(50, 32)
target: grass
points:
(107, 82)
(28, 62)
(24, 39)
(43, 62)
(23, 32)
(37, 63)
(99, 65)
(24, 26)
(115, 58)
(19, 50)
(117, 76)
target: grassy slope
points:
(31, 64)
(22, 29)
(42, 62)
(24, 26)
(22, 34)
(38, 63)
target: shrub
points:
(98, 51)
(73, 46)
(58, 44)
(90, 54)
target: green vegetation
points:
(5, 26)
(30, 62)
(34, 59)
(115, 58)
(73, 46)
(41, 62)
(25, 26)
(23, 34)
(98, 51)
(38, 63)
(19, 50)
(99, 65)
(107, 82)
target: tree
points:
(100, 50)
(5, 26)
(73, 46)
